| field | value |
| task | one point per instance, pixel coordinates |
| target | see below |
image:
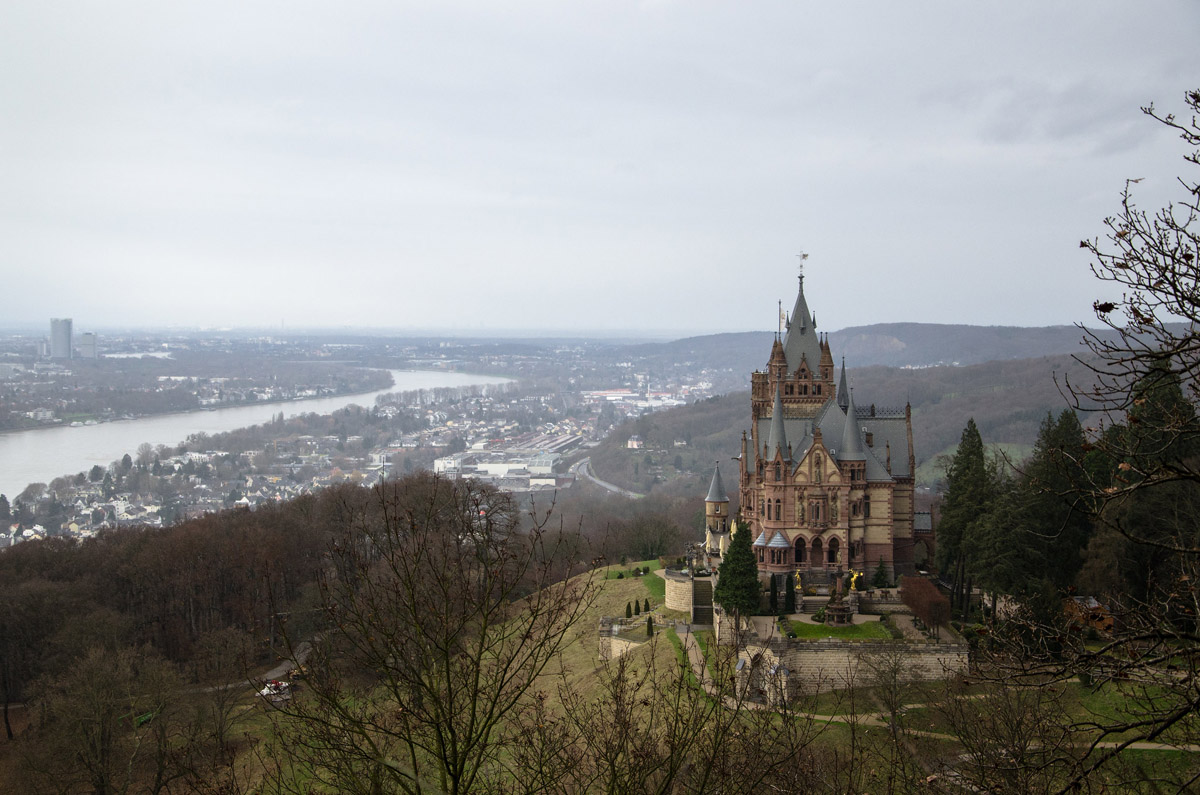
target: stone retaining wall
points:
(789, 666)
(679, 591)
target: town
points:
(521, 435)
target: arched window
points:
(799, 550)
(867, 505)
(818, 389)
(778, 471)
(833, 550)
(778, 509)
(816, 556)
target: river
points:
(42, 454)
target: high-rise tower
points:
(60, 338)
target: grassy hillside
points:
(1008, 400)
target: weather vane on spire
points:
(802, 257)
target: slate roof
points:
(801, 340)
(716, 490)
(885, 428)
(777, 437)
(779, 542)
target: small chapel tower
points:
(716, 515)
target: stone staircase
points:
(702, 601)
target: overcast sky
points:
(573, 165)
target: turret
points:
(851, 449)
(912, 455)
(826, 367)
(777, 439)
(716, 515)
(843, 393)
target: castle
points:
(824, 485)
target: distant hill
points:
(923, 344)
(891, 344)
(1008, 400)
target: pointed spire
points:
(716, 490)
(852, 449)
(801, 336)
(777, 440)
(843, 393)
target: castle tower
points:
(716, 515)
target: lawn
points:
(871, 630)
(656, 585)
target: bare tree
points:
(654, 727)
(443, 614)
(1140, 479)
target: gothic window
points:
(778, 471)
(778, 509)
(833, 551)
(787, 390)
(818, 389)
(804, 389)
(799, 550)
(867, 505)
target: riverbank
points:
(43, 454)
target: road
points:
(582, 468)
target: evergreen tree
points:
(637, 608)
(1049, 507)
(646, 606)
(970, 489)
(774, 600)
(1151, 523)
(5, 509)
(737, 588)
(789, 596)
(628, 610)
(880, 580)
(650, 626)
